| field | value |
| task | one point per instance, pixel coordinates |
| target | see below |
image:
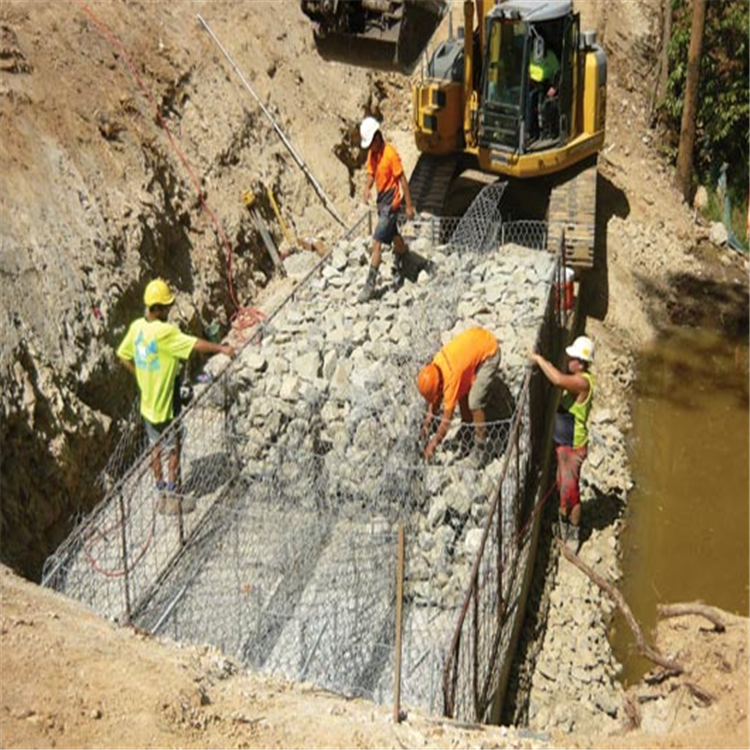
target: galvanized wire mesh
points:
(304, 457)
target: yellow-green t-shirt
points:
(156, 348)
(544, 69)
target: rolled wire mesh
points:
(304, 456)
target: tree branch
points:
(644, 649)
(692, 608)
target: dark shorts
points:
(387, 228)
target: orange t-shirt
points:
(458, 361)
(387, 170)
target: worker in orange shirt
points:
(385, 171)
(465, 371)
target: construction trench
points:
(323, 548)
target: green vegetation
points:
(723, 117)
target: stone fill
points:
(292, 566)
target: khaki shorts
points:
(155, 431)
(488, 373)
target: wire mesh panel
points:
(116, 555)
(482, 635)
(478, 229)
(303, 456)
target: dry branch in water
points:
(644, 649)
(692, 608)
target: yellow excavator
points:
(520, 95)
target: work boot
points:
(480, 456)
(174, 504)
(573, 542)
(562, 528)
(368, 290)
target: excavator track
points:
(430, 180)
(572, 209)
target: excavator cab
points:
(528, 80)
(388, 35)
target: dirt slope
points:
(100, 145)
(71, 679)
(113, 116)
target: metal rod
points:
(275, 207)
(475, 654)
(312, 651)
(267, 241)
(168, 611)
(399, 623)
(297, 158)
(124, 542)
(500, 568)
(178, 448)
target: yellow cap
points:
(428, 382)
(158, 293)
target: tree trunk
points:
(660, 93)
(692, 79)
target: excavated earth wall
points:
(113, 117)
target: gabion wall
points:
(304, 458)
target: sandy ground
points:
(70, 679)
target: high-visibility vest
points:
(544, 69)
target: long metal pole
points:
(124, 548)
(399, 624)
(316, 185)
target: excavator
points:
(518, 94)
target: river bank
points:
(575, 685)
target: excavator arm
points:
(388, 35)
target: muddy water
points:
(687, 521)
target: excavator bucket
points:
(388, 35)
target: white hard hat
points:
(581, 348)
(367, 131)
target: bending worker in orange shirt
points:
(385, 171)
(464, 372)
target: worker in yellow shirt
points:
(152, 350)
(465, 371)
